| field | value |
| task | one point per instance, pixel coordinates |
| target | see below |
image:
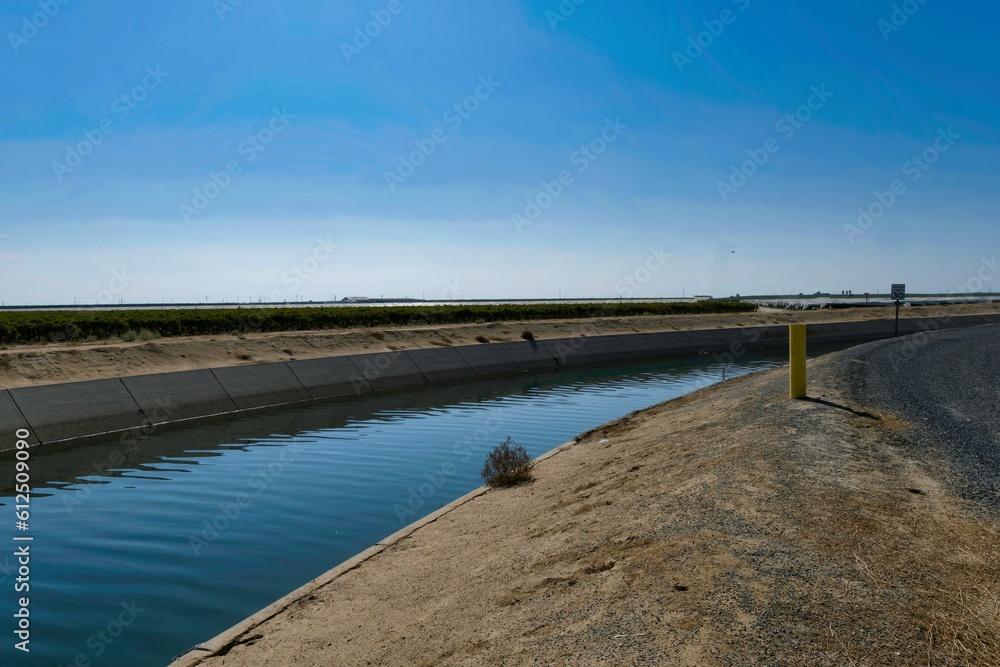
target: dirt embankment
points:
(31, 365)
(729, 527)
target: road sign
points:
(898, 294)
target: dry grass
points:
(728, 527)
(508, 464)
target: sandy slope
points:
(25, 365)
(729, 527)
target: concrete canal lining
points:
(75, 409)
(607, 348)
(80, 409)
(329, 376)
(441, 363)
(487, 360)
(643, 346)
(167, 397)
(386, 370)
(11, 420)
(261, 385)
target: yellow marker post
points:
(797, 359)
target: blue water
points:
(143, 548)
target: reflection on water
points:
(187, 529)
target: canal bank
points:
(183, 518)
(66, 411)
(729, 526)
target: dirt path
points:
(729, 527)
(31, 365)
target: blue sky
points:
(275, 150)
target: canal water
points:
(143, 547)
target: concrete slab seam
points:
(23, 418)
(224, 390)
(149, 422)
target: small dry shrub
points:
(507, 465)
(527, 335)
(482, 339)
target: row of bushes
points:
(69, 325)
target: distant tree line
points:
(75, 325)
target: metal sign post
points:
(898, 295)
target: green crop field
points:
(74, 325)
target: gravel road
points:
(947, 383)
